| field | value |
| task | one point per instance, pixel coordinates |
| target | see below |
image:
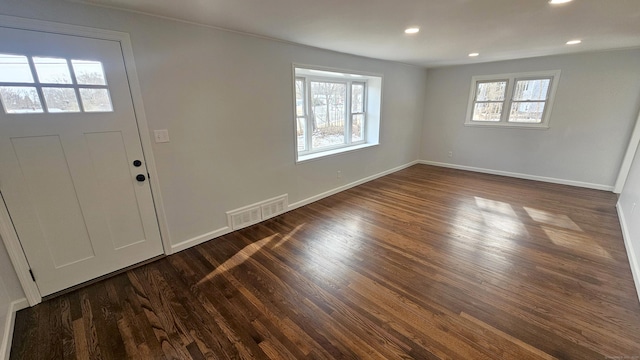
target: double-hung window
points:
(512, 100)
(335, 112)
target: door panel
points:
(66, 158)
(58, 212)
(117, 191)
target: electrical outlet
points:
(450, 153)
(339, 174)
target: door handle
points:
(141, 177)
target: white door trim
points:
(628, 158)
(7, 231)
(18, 259)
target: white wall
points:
(226, 99)
(629, 212)
(10, 291)
(5, 305)
(8, 277)
(595, 107)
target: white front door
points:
(72, 170)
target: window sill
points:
(509, 125)
(321, 154)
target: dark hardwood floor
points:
(426, 263)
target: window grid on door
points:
(40, 84)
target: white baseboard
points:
(633, 261)
(199, 239)
(225, 230)
(14, 307)
(520, 175)
(348, 186)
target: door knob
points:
(141, 177)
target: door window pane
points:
(95, 100)
(15, 69)
(52, 70)
(60, 100)
(89, 72)
(20, 99)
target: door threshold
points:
(103, 277)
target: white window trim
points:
(554, 75)
(372, 109)
(334, 151)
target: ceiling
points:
(449, 29)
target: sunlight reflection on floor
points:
(288, 236)
(559, 228)
(575, 241)
(563, 231)
(559, 220)
(500, 215)
(238, 258)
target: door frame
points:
(7, 230)
(629, 155)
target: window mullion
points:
(506, 105)
(74, 82)
(348, 119)
(363, 128)
(36, 80)
(506, 109)
(309, 112)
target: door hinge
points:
(32, 276)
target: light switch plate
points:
(161, 136)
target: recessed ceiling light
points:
(474, 54)
(412, 30)
(555, 2)
(574, 42)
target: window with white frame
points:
(65, 85)
(512, 100)
(335, 111)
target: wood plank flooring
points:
(425, 263)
